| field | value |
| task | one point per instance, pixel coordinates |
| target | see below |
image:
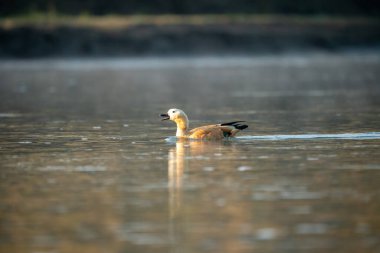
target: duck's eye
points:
(173, 111)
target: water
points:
(87, 165)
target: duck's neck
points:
(182, 126)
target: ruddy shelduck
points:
(209, 132)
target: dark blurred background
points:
(56, 28)
(101, 7)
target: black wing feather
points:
(235, 124)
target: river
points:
(88, 166)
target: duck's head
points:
(178, 116)
(174, 115)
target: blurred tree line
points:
(103, 7)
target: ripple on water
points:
(264, 234)
(244, 168)
(142, 233)
(9, 115)
(272, 193)
(311, 228)
(84, 168)
(208, 169)
(344, 136)
(338, 136)
(25, 142)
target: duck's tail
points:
(235, 124)
(230, 129)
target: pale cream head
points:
(176, 114)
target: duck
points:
(208, 132)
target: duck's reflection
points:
(176, 167)
(182, 157)
(178, 163)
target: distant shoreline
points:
(169, 35)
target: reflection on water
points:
(176, 164)
(86, 167)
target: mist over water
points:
(86, 164)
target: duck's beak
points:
(164, 116)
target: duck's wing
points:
(218, 131)
(206, 132)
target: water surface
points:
(86, 165)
